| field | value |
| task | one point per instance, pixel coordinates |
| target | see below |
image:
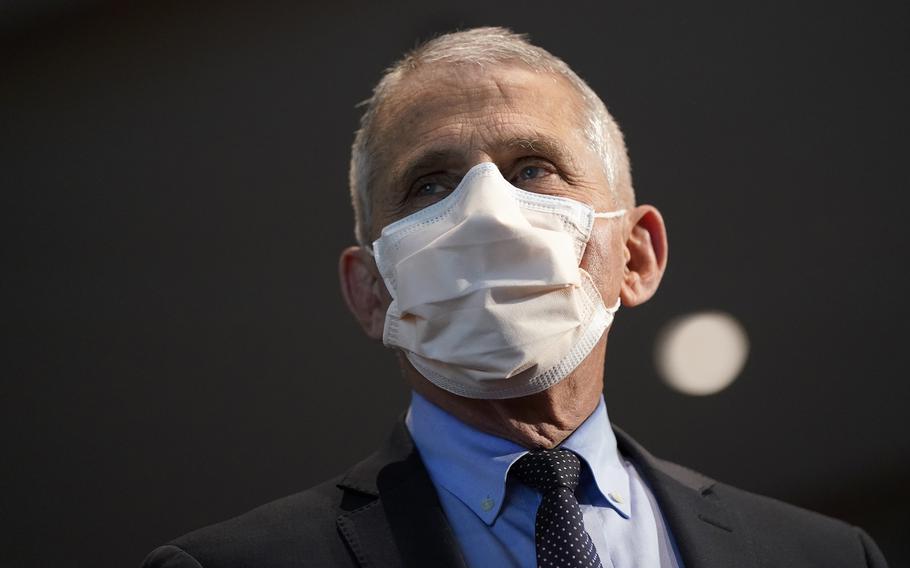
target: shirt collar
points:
(595, 442)
(474, 465)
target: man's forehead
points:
(440, 91)
(443, 108)
(476, 78)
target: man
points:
(498, 235)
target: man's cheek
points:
(598, 260)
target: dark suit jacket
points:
(384, 512)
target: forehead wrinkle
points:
(467, 95)
(447, 87)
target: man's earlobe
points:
(645, 255)
(361, 287)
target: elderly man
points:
(498, 235)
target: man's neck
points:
(541, 420)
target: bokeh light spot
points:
(701, 353)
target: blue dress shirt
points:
(492, 515)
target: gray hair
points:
(484, 47)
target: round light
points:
(701, 353)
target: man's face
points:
(442, 120)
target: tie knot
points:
(545, 469)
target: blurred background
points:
(174, 198)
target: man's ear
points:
(363, 290)
(646, 255)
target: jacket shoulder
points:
(774, 532)
(754, 509)
(800, 536)
(297, 530)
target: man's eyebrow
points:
(429, 160)
(546, 147)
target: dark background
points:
(174, 199)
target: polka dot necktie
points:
(559, 531)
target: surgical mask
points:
(488, 299)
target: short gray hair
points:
(484, 47)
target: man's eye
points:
(531, 172)
(430, 188)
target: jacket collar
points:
(707, 533)
(403, 524)
(393, 517)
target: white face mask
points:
(488, 299)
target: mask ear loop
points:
(610, 214)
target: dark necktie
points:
(559, 531)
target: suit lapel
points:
(394, 517)
(706, 533)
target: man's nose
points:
(478, 156)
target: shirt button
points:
(613, 496)
(487, 504)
